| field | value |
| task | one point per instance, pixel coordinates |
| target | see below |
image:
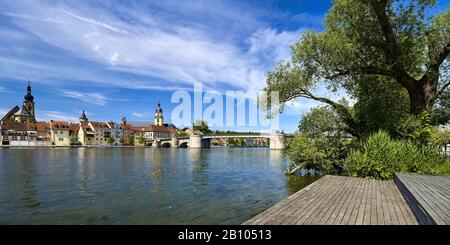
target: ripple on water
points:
(141, 186)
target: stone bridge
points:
(277, 141)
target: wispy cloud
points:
(271, 44)
(139, 115)
(147, 43)
(56, 115)
(93, 98)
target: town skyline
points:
(125, 56)
(96, 69)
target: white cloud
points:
(94, 98)
(56, 115)
(139, 115)
(272, 45)
(180, 51)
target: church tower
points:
(29, 102)
(83, 117)
(159, 119)
(26, 114)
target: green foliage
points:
(416, 128)
(201, 126)
(182, 133)
(141, 139)
(382, 104)
(109, 140)
(319, 145)
(381, 157)
(441, 113)
(385, 54)
(319, 153)
(321, 120)
(228, 132)
(440, 136)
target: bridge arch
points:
(165, 145)
(184, 145)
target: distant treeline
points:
(219, 132)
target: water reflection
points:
(141, 185)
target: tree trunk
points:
(422, 95)
(417, 101)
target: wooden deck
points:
(337, 200)
(428, 196)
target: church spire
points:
(83, 117)
(28, 96)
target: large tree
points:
(370, 40)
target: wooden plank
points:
(302, 211)
(340, 200)
(318, 210)
(367, 193)
(436, 203)
(344, 215)
(379, 206)
(336, 208)
(387, 219)
(427, 195)
(358, 202)
(260, 217)
(270, 214)
(362, 206)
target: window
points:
(61, 139)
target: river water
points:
(141, 185)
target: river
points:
(141, 185)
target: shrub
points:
(319, 153)
(381, 156)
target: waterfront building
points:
(60, 134)
(102, 133)
(73, 132)
(139, 136)
(43, 132)
(127, 132)
(85, 132)
(14, 134)
(116, 133)
(24, 134)
(153, 132)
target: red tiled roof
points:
(99, 125)
(74, 127)
(126, 126)
(155, 128)
(60, 125)
(42, 126)
(14, 126)
(85, 126)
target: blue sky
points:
(115, 58)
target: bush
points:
(381, 156)
(319, 153)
